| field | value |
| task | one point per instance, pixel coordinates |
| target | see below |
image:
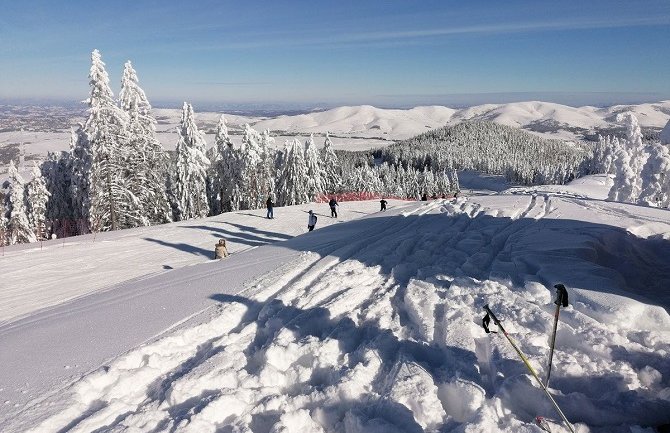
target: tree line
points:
(117, 174)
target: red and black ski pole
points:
(561, 301)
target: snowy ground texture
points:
(374, 325)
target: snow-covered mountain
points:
(553, 119)
(370, 325)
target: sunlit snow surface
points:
(372, 325)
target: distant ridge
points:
(542, 117)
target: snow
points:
(370, 325)
(665, 134)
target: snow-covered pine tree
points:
(231, 175)
(111, 202)
(219, 177)
(18, 225)
(191, 169)
(332, 176)
(315, 173)
(265, 170)
(428, 183)
(251, 186)
(37, 198)
(81, 160)
(292, 188)
(623, 186)
(636, 151)
(57, 172)
(453, 178)
(656, 177)
(146, 159)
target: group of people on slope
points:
(221, 251)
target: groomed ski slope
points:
(375, 326)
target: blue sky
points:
(385, 53)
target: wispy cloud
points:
(231, 83)
(298, 39)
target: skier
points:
(383, 203)
(311, 221)
(270, 205)
(220, 250)
(332, 203)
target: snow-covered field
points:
(371, 325)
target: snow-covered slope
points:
(374, 326)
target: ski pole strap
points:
(485, 324)
(561, 295)
(488, 317)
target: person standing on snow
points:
(270, 205)
(383, 203)
(332, 203)
(311, 221)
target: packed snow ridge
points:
(374, 325)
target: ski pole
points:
(561, 300)
(485, 323)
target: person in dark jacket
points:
(383, 203)
(424, 197)
(333, 211)
(269, 204)
(311, 221)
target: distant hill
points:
(494, 149)
(543, 118)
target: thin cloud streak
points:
(482, 29)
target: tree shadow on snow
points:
(183, 247)
(243, 237)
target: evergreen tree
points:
(266, 170)
(218, 176)
(636, 150)
(623, 186)
(656, 177)
(146, 160)
(315, 173)
(81, 160)
(57, 173)
(110, 200)
(191, 169)
(292, 187)
(252, 185)
(37, 198)
(332, 175)
(18, 225)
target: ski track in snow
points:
(376, 327)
